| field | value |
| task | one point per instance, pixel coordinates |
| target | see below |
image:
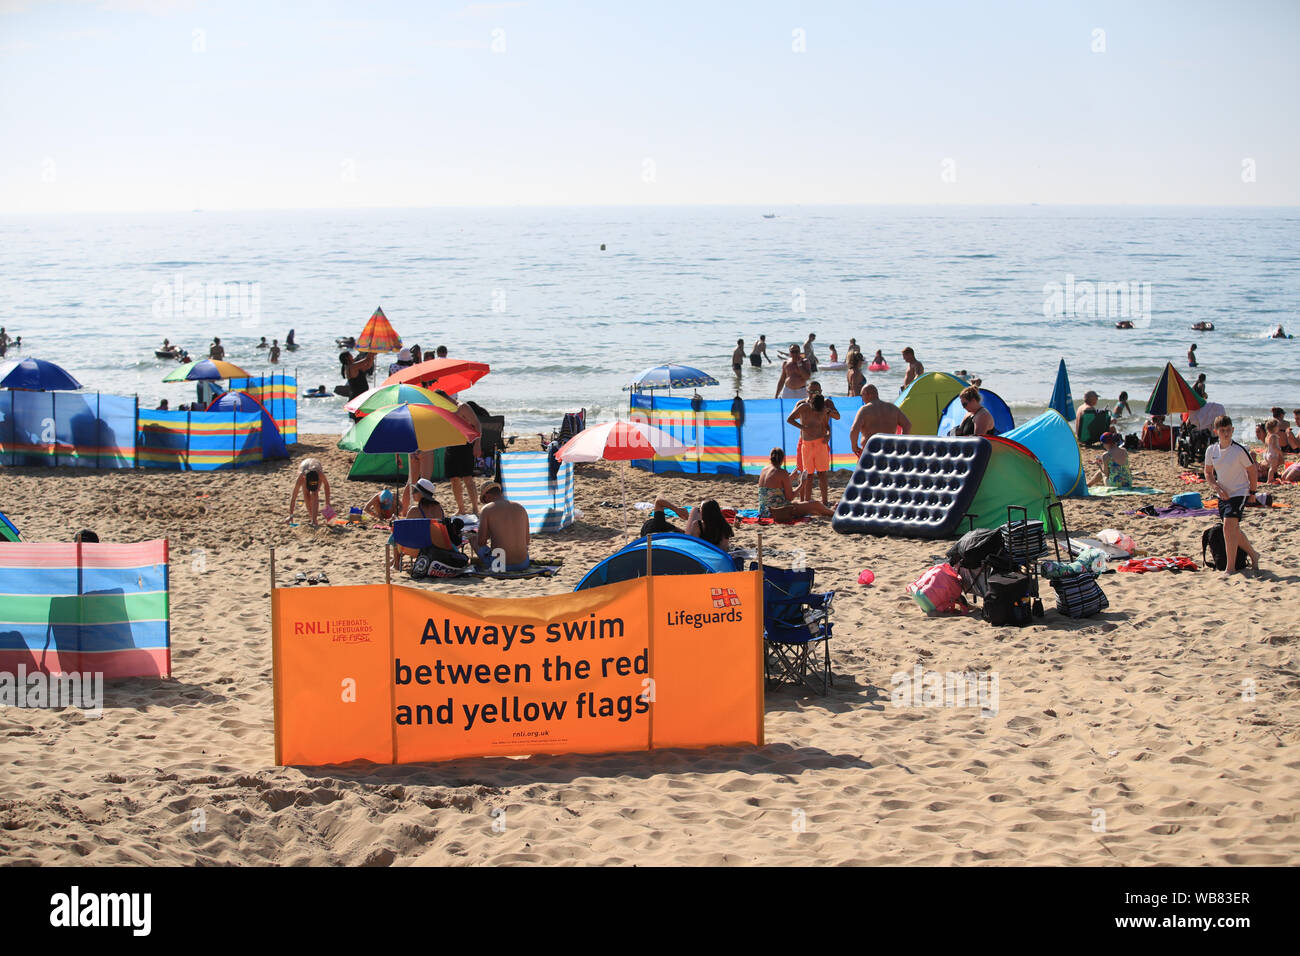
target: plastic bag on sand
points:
(1117, 538)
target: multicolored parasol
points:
(376, 398)
(407, 428)
(208, 370)
(378, 335)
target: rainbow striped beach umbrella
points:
(1172, 395)
(382, 395)
(209, 370)
(378, 335)
(407, 428)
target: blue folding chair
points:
(795, 620)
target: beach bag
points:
(975, 547)
(938, 590)
(439, 563)
(1079, 595)
(1008, 600)
(1132, 442)
(1117, 539)
(1191, 500)
(1212, 541)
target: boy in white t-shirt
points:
(1231, 473)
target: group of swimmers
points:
(500, 541)
(7, 343)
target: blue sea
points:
(1001, 292)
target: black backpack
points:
(1212, 541)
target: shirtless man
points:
(759, 353)
(876, 417)
(1089, 403)
(853, 347)
(813, 417)
(738, 356)
(808, 355)
(793, 382)
(501, 542)
(216, 351)
(914, 368)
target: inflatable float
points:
(878, 367)
(831, 366)
(1203, 326)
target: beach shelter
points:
(669, 554)
(208, 370)
(924, 401)
(36, 375)
(1061, 400)
(450, 375)
(385, 467)
(272, 441)
(670, 376)
(378, 335)
(1013, 477)
(954, 413)
(1051, 439)
(7, 530)
(1172, 396)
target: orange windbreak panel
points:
(708, 666)
(464, 676)
(333, 695)
(483, 676)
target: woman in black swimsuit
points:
(354, 372)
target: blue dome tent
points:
(673, 554)
(272, 441)
(954, 413)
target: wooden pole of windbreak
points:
(650, 638)
(277, 702)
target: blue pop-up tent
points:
(954, 413)
(673, 554)
(1051, 439)
(1061, 400)
(272, 441)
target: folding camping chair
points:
(795, 620)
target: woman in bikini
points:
(777, 498)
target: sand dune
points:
(1143, 713)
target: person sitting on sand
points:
(658, 522)
(1152, 431)
(778, 496)
(795, 373)
(1112, 466)
(1273, 457)
(876, 417)
(382, 507)
(311, 478)
(1288, 441)
(1089, 405)
(501, 541)
(706, 521)
(979, 420)
(1121, 409)
(854, 374)
(424, 502)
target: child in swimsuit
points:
(1272, 449)
(1114, 467)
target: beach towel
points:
(1105, 491)
(750, 516)
(1188, 478)
(1213, 504)
(1175, 511)
(532, 571)
(1076, 544)
(1146, 565)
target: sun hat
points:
(427, 486)
(404, 355)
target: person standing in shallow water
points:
(759, 353)
(738, 356)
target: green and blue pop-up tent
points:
(1051, 439)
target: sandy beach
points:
(1159, 732)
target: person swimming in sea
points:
(262, 344)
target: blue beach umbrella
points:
(671, 376)
(36, 375)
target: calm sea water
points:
(565, 325)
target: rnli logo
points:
(725, 597)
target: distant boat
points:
(769, 215)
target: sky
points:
(126, 105)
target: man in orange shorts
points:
(813, 417)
